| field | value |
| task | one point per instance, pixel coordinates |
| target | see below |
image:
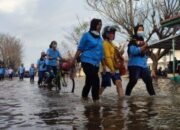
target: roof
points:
(173, 21)
(167, 43)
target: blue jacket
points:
(54, 54)
(21, 70)
(41, 64)
(1, 70)
(32, 71)
(136, 58)
(92, 49)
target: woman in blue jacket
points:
(41, 66)
(137, 64)
(32, 72)
(90, 50)
(21, 72)
(53, 55)
(1, 72)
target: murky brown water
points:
(23, 106)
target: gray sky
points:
(38, 22)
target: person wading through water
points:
(137, 64)
(90, 50)
(110, 70)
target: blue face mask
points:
(141, 34)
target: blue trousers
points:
(52, 71)
(21, 76)
(135, 73)
(1, 76)
(41, 76)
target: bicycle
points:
(63, 78)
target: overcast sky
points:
(38, 22)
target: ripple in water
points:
(25, 106)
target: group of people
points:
(94, 49)
(32, 72)
(46, 63)
(162, 72)
(10, 73)
(6, 72)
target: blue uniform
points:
(4, 71)
(54, 54)
(1, 70)
(138, 68)
(41, 69)
(32, 71)
(41, 64)
(21, 70)
(31, 74)
(92, 49)
(135, 57)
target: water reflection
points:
(25, 106)
(125, 114)
(141, 113)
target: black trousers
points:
(135, 73)
(1, 76)
(53, 72)
(91, 82)
(41, 76)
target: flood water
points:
(24, 106)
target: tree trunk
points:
(154, 60)
(155, 65)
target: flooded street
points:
(24, 106)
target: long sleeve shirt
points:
(109, 55)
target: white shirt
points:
(10, 71)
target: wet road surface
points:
(24, 106)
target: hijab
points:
(93, 26)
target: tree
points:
(74, 37)
(10, 51)
(161, 10)
(148, 12)
(77, 32)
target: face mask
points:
(141, 34)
